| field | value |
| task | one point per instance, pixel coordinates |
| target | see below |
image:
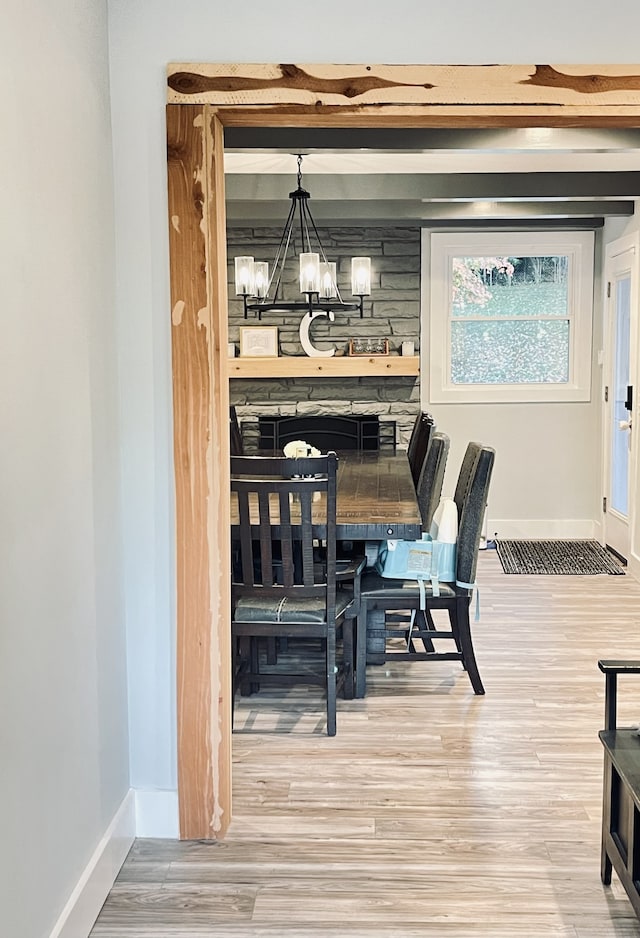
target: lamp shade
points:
(361, 276)
(261, 278)
(310, 273)
(245, 278)
(328, 288)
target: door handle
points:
(624, 425)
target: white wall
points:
(63, 707)
(145, 35)
(547, 470)
(546, 479)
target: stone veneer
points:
(392, 311)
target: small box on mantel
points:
(368, 346)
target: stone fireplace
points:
(393, 312)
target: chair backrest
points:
(418, 444)
(283, 506)
(432, 476)
(235, 435)
(471, 509)
(464, 475)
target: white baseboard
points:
(633, 566)
(86, 900)
(541, 528)
(157, 814)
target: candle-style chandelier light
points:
(262, 293)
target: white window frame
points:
(438, 249)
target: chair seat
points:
(287, 610)
(373, 585)
(350, 567)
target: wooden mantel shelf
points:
(290, 366)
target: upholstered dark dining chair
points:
(418, 443)
(429, 487)
(279, 589)
(379, 595)
(428, 492)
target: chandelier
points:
(263, 293)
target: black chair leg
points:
(453, 619)
(331, 684)
(235, 664)
(429, 626)
(348, 660)
(250, 663)
(244, 654)
(462, 631)
(272, 650)
(361, 651)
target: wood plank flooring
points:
(432, 812)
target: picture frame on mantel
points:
(258, 341)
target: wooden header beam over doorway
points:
(201, 101)
(412, 95)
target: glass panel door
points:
(621, 423)
(619, 376)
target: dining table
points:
(376, 497)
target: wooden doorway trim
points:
(201, 101)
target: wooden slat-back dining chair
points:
(418, 444)
(378, 593)
(236, 447)
(279, 589)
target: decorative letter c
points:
(305, 342)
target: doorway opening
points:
(202, 102)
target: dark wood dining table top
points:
(376, 497)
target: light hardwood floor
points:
(432, 812)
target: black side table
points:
(621, 790)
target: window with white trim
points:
(509, 316)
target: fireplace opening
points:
(366, 433)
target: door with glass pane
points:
(621, 329)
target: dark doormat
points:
(567, 558)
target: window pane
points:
(510, 286)
(510, 315)
(510, 352)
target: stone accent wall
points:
(392, 311)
